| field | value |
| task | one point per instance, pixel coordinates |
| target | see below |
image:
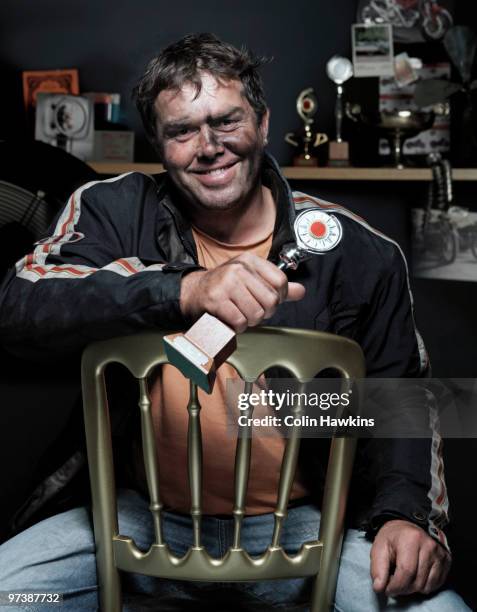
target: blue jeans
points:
(57, 555)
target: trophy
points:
(395, 126)
(200, 351)
(306, 106)
(339, 70)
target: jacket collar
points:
(272, 177)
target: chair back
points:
(304, 354)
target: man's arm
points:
(410, 552)
(84, 282)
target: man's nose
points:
(209, 145)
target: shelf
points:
(123, 167)
(311, 174)
(373, 174)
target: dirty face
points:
(212, 144)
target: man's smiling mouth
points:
(217, 177)
(216, 171)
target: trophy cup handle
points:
(352, 111)
(320, 138)
(290, 139)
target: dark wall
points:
(111, 41)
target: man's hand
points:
(242, 292)
(405, 560)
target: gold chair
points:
(304, 354)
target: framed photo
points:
(48, 81)
(372, 50)
(445, 246)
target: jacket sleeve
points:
(83, 282)
(409, 471)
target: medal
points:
(317, 231)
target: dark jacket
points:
(113, 266)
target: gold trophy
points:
(306, 140)
(339, 70)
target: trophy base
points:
(338, 154)
(305, 160)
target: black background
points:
(110, 42)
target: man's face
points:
(211, 144)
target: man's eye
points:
(227, 124)
(183, 134)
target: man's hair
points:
(183, 61)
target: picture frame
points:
(62, 81)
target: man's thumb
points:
(295, 292)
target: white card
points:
(372, 49)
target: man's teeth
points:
(218, 171)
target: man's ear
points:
(264, 125)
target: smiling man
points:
(137, 252)
(231, 137)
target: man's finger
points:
(433, 579)
(249, 306)
(264, 294)
(229, 313)
(295, 292)
(268, 271)
(437, 575)
(380, 565)
(426, 560)
(402, 581)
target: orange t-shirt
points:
(170, 394)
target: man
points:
(132, 253)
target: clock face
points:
(317, 231)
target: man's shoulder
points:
(358, 235)
(121, 187)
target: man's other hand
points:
(405, 560)
(241, 292)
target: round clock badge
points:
(317, 231)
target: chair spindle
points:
(194, 458)
(242, 470)
(150, 459)
(287, 472)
